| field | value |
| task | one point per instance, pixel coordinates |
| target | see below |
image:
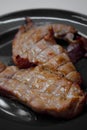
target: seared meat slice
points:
(43, 90)
(44, 51)
(34, 45)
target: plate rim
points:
(43, 9)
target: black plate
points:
(12, 113)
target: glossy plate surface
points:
(12, 113)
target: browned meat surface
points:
(43, 90)
(34, 45)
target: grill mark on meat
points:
(50, 51)
(48, 44)
(40, 36)
(36, 49)
(61, 89)
(45, 55)
(59, 64)
(57, 61)
(67, 68)
(69, 72)
(74, 77)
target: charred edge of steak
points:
(24, 63)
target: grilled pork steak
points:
(34, 45)
(43, 90)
